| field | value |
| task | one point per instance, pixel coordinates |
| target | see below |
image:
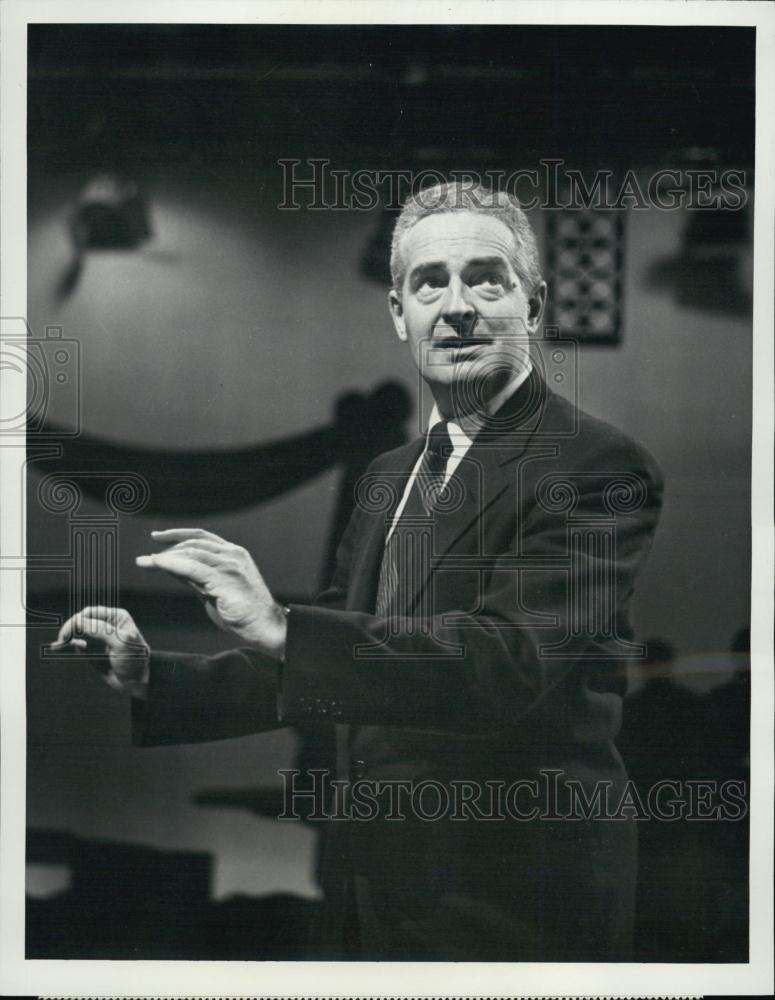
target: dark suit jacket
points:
(508, 667)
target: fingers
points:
(78, 644)
(171, 535)
(189, 551)
(203, 545)
(81, 627)
(196, 546)
(98, 612)
(116, 622)
(184, 567)
(73, 625)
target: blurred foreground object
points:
(111, 214)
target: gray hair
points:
(458, 197)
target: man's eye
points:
(489, 278)
(429, 286)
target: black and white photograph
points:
(387, 473)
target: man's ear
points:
(536, 305)
(397, 313)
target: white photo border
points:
(313, 979)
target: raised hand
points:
(225, 577)
(109, 632)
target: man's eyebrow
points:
(430, 265)
(439, 265)
(487, 262)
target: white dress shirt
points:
(461, 434)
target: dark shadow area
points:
(129, 901)
(710, 273)
(338, 90)
(180, 482)
(692, 895)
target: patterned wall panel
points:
(585, 261)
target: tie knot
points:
(439, 441)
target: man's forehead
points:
(452, 235)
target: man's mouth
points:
(456, 344)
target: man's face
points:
(462, 308)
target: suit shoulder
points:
(609, 447)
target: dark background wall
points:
(238, 324)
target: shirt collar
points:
(463, 430)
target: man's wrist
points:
(138, 687)
(274, 638)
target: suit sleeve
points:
(485, 669)
(194, 698)
(466, 671)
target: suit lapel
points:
(379, 494)
(484, 474)
(475, 485)
(479, 482)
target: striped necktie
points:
(406, 558)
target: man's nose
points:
(457, 311)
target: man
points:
(470, 642)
